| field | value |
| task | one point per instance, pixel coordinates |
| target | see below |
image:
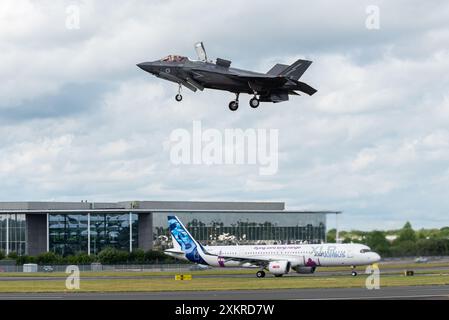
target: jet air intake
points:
(223, 63)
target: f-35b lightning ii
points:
(274, 86)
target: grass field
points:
(167, 284)
(391, 275)
(384, 268)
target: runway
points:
(386, 293)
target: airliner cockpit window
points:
(365, 250)
(174, 58)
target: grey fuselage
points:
(199, 75)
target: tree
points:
(377, 242)
(406, 234)
(113, 256)
(405, 248)
(49, 258)
(331, 235)
(13, 255)
(137, 256)
(81, 258)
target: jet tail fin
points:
(182, 239)
(184, 242)
(296, 70)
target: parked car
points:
(198, 267)
(47, 269)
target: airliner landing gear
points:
(254, 102)
(260, 274)
(178, 97)
(234, 105)
(353, 272)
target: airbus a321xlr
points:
(274, 86)
(277, 259)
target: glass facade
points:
(226, 228)
(13, 233)
(112, 230)
(69, 233)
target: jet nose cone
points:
(142, 65)
(149, 67)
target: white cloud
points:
(372, 142)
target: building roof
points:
(148, 206)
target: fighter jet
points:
(274, 86)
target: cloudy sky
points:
(79, 120)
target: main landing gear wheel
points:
(233, 105)
(260, 274)
(254, 102)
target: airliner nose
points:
(376, 257)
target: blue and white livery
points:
(277, 259)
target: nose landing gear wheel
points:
(178, 97)
(260, 274)
(354, 273)
(233, 105)
(254, 102)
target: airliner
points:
(277, 259)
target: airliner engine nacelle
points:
(304, 270)
(279, 267)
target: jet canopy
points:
(174, 58)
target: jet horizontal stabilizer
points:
(304, 87)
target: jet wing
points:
(265, 81)
(256, 80)
(256, 260)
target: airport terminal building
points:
(70, 227)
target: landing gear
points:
(254, 102)
(234, 105)
(178, 97)
(260, 274)
(353, 272)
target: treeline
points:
(106, 256)
(408, 242)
